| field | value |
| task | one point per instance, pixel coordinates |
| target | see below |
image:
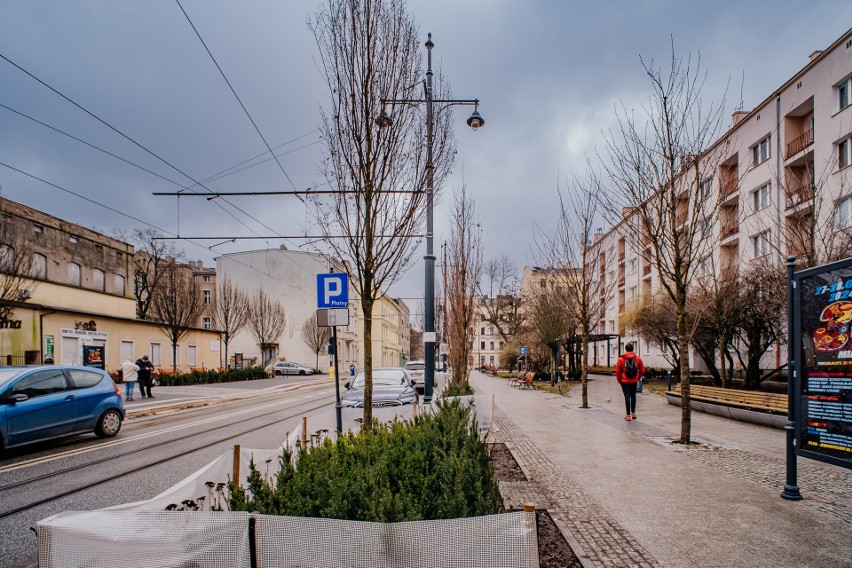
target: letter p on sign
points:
(332, 291)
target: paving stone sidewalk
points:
(624, 495)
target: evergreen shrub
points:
(212, 376)
(433, 466)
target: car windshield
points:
(415, 367)
(7, 375)
(382, 378)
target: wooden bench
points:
(524, 380)
(750, 400)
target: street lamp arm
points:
(460, 102)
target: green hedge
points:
(212, 376)
(431, 467)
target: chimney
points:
(199, 264)
(282, 247)
(814, 55)
(737, 117)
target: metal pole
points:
(429, 346)
(791, 487)
(337, 411)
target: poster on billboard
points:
(823, 321)
(93, 356)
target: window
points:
(634, 264)
(206, 323)
(207, 296)
(156, 354)
(73, 273)
(612, 326)
(843, 93)
(190, 355)
(39, 266)
(760, 197)
(206, 279)
(501, 345)
(482, 345)
(85, 379)
(98, 279)
(631, 293)
(481, 331)
(73, 240)
(492, 346)
(490, 331)
(542, 283)
(761, 243)
(843, 153)
(7, 259)
(41, 383)
(844, 213)
(762, 151)
(118, 284)
(127, 350)
(38, 228)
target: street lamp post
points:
(475, 121)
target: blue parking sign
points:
(332, 291)
(523, 350)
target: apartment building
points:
(782, 187)
(80, 295)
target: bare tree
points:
(655, 319)
(548, 321)
(230, 311)
(461, 280)
(177, 304)
(660, 177)
(501, 294)
(16, 264)
(266, 321)
(416, 343)
(585, 291)
(715, 313)
(368, 55)
(153, 258)
(315, 337)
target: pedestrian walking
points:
(145, 379)
(129, 373)
(628, 370)
(352, 370)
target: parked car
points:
(54, 401)
(288, 368)
(417, 371)
(391, 387)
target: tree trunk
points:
(723, 351)
(584, 350)
(174, 357)
(225, 342)
(367, 307)
(683, 347)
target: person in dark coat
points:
(145, 379)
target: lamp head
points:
(476, 121)
(384, 120)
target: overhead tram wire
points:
(139, 145)
(219, 175)
(137, 219)
(245, 110)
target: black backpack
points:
(630, 368)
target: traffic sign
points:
(332, 291)
(445, 349)
(331, 318)
(523, 350)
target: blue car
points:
(42, 403)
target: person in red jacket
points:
(628, 370)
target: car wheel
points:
(301, 372)
(108, 424)
(277, 373)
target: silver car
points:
(288, 368)
(391, 387)
(417, 371)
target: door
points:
(50, 410)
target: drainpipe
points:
(778, 166)
(41, 335)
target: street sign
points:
(332, 291)
(523, 350)
(445, 349)
(332, 318)
(430, 337)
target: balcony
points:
(621, 256)
(730, 229)
(728, 274)
(799, 195)
(620, 309)
(621, 281)
(646, 270)
(799, 143)
(728, 187)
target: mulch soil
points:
(553, 549)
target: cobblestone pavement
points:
(828, 488)
(596, 538)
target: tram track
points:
(293, 412)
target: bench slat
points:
(771, 402)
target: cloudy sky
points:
(548, 73)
